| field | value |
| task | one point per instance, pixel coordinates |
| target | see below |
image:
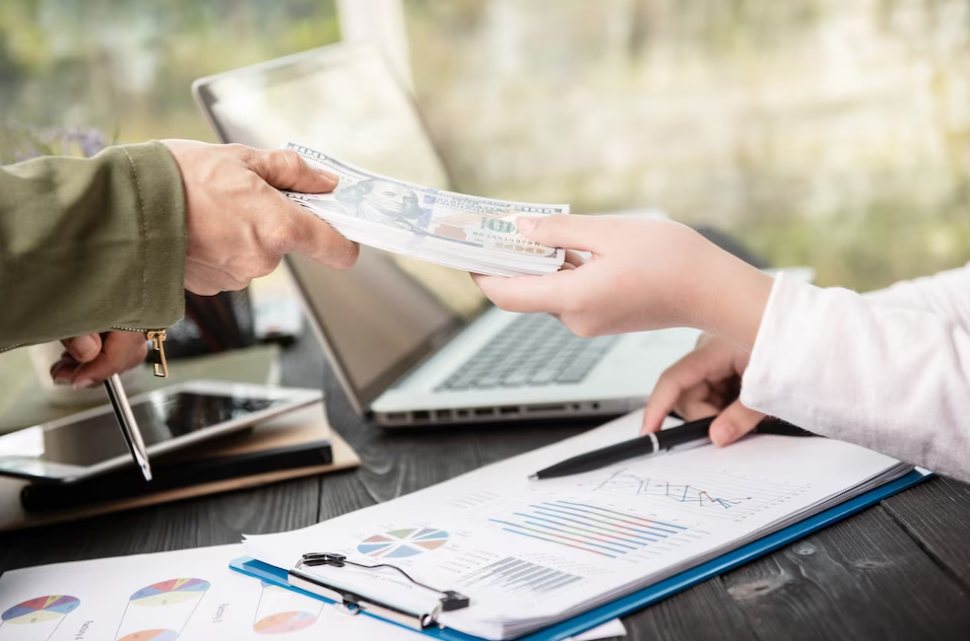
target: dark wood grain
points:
(937, 515)
(900, 570)
(862, 578)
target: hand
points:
(704, 383)
(89, 360)
(239, 226)
(643, 274)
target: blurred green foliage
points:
(126, 66)
(833, 133)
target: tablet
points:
(90, 443)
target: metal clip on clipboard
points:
(355, 603)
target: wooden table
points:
(899, 570)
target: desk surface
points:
(899, 570)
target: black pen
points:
(692, 433)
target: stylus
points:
(128, 425)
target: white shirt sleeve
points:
(889, 371)
(946, 294)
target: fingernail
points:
(526, 223)
(329, 175)
(83, 383)
(83, 346)
(722, 435)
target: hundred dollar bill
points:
(441, 226)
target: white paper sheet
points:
(190, 595)
(532, 553)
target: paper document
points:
(190, 595)
(533, 553)
(455, 230)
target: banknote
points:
(459, 230)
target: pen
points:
(692, 433)
(128, 425)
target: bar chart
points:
(588, 527)
(512, 575)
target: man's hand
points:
(239, 226)
(643, 274)
(705, 382)
(89, 360)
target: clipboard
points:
(642, 598)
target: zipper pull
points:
(157, 337)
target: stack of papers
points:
(530, 554)
(446, 228)
(190, 595)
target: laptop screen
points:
(388, 312)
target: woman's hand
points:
(643, 274)
(705, 382)
(89, 359)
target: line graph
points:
(712, 494)
(681, 493)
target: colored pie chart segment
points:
(285, 622)
(169, 592)
(151, 635)
(41, 609)
(400, 544)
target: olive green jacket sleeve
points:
(91, 244)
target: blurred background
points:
(834, 133)
(829, 133)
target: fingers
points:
(573, 259)
(316, 239)
(285, 169)
(83, 348)
(573, 232)
(121, 351)
(734, 422)
(529, 294)
(673, 383)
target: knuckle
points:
(244, 152)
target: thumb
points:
(285, 169)
(83, 348)
(317, 240)
(572, 232)
(734, 422)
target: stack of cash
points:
(456, 230)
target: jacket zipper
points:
(157, 338)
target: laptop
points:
(413, 343)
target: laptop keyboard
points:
(533, 350)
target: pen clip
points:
(354, 602)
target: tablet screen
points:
(162, 417)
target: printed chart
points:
(707, 494)
(160, 611)
(282, 611)
(399, 544)
(588, 527)
(36, 619)
(511, 576)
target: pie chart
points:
(41, 609)
(399, 544)
(284, 622)
(169, 592)
(151, 635)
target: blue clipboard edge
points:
(656, 592)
